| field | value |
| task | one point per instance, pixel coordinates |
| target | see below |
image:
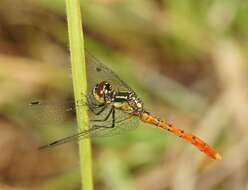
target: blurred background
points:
(186, 59)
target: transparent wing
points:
(98, 72)
(59, 111)
(128, 123)
(103, 127)
(56, 112)
(63, 111)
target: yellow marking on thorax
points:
(122, 105)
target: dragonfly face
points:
(124, 100)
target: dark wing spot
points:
(98, 69)
(34, 103)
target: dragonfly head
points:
(102, 92)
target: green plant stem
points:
(80, 86)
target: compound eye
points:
(98, 90)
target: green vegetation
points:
(80, 86)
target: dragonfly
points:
(113, 107)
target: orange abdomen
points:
(197, 142)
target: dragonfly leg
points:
(92, 106)
(107, 116)
(112, 111)
(92, 109)
(113, 118)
